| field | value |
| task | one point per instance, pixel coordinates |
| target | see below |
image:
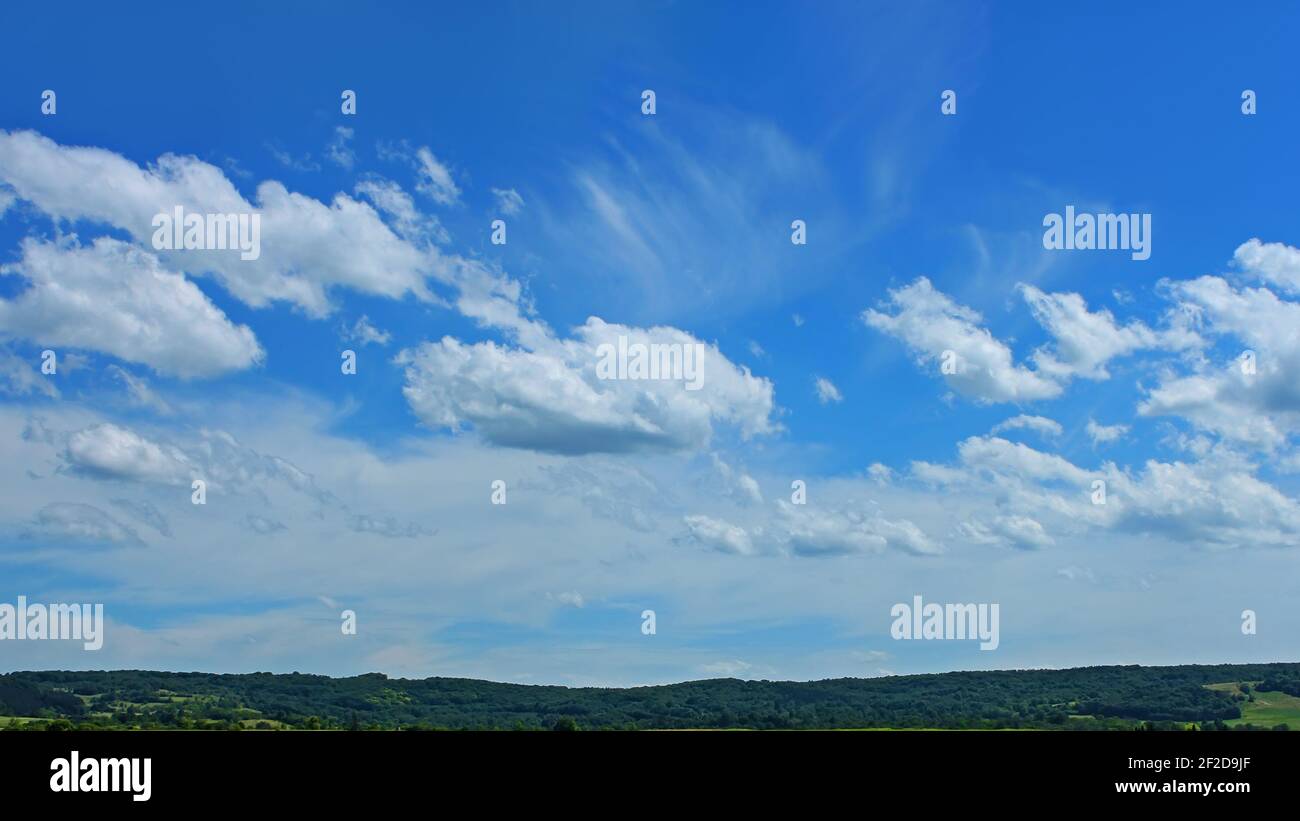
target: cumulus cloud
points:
(797, 530)
(939, 331)
(1039, 424)
(548, 397)
(1086, 340)
(1272, 262)
(107, 451)
(309, 246)
(111, 452)
(1104, 434)
(399, 209)
(1220, 505)
(1254, 398)
(1216, 502)
(718, 535)
(114, 298)
(1000, 457)
(820, 532)
(933, 326)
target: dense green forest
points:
(1285, 679)
(1083, 698)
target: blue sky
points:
(371, 491)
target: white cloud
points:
(1104, 434)
(1290, 464)
(570, 598)
(1039, 424)
(398, 206)
(821, 532)
(363, 332)
(111, 452)
(1217, 502)
(727, 669)
(1207, 503)
(303, 164)
(108, 451)
(1021, 532)
(338, 151)
(509, 202)
(880, 473)
(931, 324)
(1003, 458)
(646, 211)
(73, 362)
(1273, 262)
(113, 298)
(737, 482)
(1087, 340)
(1220, 402)
(826, 390)
(1261, 409)
(547, 397)
(719, 535)
(433, 179)
(308, 247)
(138, 391)
(18, 377)
(1084, 341)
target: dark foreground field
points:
(1259, 696)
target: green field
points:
(1268, 709)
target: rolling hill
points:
(1114, 697)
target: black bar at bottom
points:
(320, 769)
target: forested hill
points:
(1080, 698)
